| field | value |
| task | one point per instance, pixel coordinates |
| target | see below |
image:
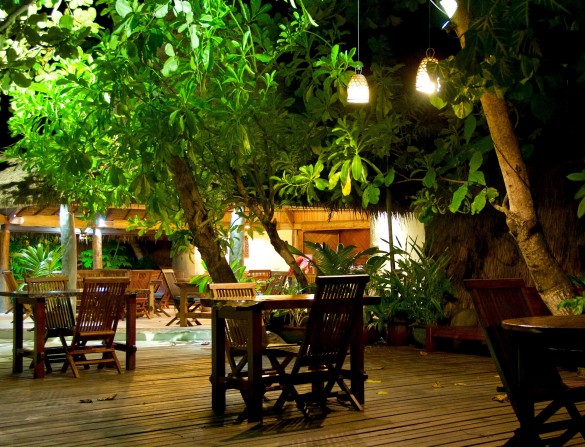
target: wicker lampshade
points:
(424, 83)
(358, 91)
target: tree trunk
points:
(266, 216)
(550, 279)
(201, 226)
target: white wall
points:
(262, 253)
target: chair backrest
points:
(59, 312)
(259, 274)
(170, 281)
(46, 283)
(279, 283)
(496, 300)
(236, 290)
(100, 308)
(9, 281)
(332, 319)
(236, 331)
(140, 279)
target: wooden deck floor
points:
(440, 399)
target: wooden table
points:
(186, 290)
(251, 312)
(37, 302)
(535, 337)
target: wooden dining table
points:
(37, 302)
(537, 339)
(251, 312)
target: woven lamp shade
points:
(424, 83)
(358, 91)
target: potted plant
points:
(326, 261)
(413, 294)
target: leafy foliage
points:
(416, 291)
(342, 261)
(40, 260)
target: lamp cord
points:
(358, 29)
(429, 46)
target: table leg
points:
(255, 390)
(39, 339)
(525, 402)
(17, 339)
(357, 360)
(131, 347)
(217, 378)
(183, 308)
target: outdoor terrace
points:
(412, 399)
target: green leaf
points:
(469, 128)
(479, 202)
(462, 109)
(357, 167)
(458, 198)
(20, 79)
(123, 7)
(476, 177)
(162, 11)
(475, 161)
(577, 176)
(430, 178)
(581, 209)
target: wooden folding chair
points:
(59, 316)
(496, 300)
(331, 324)
(140, 285)
(236, 344)
(12, 286)
(174, 295)
(100, 308)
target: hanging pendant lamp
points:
(358, 91)
(424, 82)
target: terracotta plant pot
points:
(398, 334)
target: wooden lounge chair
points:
(100, 308)
(140, 285)
(59, 316)
(174, 295)
(496, 300)
(12, 286)
(319, 361)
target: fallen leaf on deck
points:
(423, 353)
(382, 392)
(460, 384)
(501, 398)
(373, 381)
(112, 397)
(85, 401)
(204, 342)
(437, 384)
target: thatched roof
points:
(19, 188)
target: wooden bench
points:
(456, 333)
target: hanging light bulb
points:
(449, 6)
(358, 91)
(424, 83)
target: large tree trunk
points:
(550, 279)
(266, 216)
(201, 226)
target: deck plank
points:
(412, 399)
